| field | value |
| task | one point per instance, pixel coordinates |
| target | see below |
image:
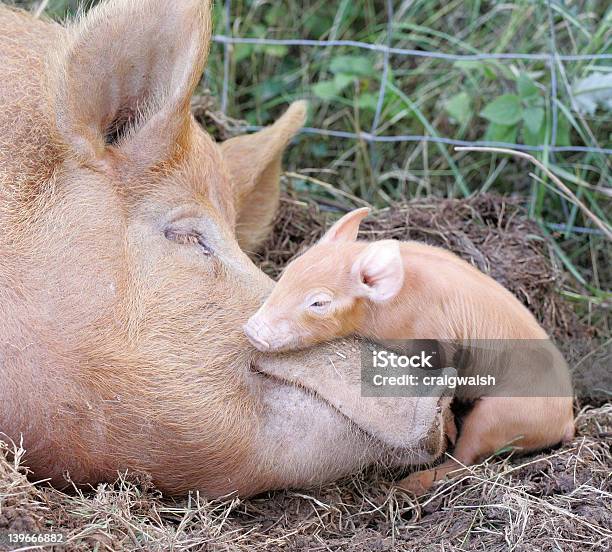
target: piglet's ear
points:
(379, 271)
(347, 228)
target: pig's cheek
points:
(283, 335)
(285, 332)
(308, 332)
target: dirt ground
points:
(556, 500)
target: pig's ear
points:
(126, 75)
(346, 228)
(254, 162)
(378, 271)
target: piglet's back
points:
(467, 303)
(476, 319)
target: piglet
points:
(391, 290)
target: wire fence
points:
(553, 59)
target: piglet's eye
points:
(187, 238)
(319, 303)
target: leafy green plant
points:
(523, 111)
(350, 74)
(459, 107)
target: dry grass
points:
(557, 500)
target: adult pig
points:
(123, 279)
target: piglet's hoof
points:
(418, 483)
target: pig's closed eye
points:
(320, 304)
(188, 238)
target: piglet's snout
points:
(258, 333)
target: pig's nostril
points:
(253, 368)
(261, 344)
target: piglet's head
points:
(324, 293)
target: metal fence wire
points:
(554, 61)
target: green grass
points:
(432, 97)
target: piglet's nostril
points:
(253, 331)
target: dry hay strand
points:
(20, 509)
(214, 121)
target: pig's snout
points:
(258, 333)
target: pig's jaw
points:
(304, 441)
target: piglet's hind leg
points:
(529, 423)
